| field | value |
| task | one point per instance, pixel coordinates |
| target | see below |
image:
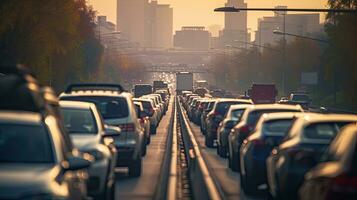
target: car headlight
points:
(98, 155)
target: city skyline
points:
(203, 10)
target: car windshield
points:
(25, 144)
(326, 130)
(109, 107)
(277, 127)
(300, 97)
(79, 121)
(222, 107)
(254, 116)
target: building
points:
(299, 24)
(193, 38)
(148, 23)
(161, 25)
(235, 25)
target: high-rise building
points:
(193, 38)
(235, 25)
(299, 24)
(149, 24)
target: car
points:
(216, 116)
(300, 151)
(117, 109)
(144, 121)
(207, 109)
(231, 119)
(335, 176)
(269, 132)
(35, 163)
(87, 130)
(246, 126)
(142, 89)
(158, 106)
(196, 116)
(302, 99)
(161, 102)
(151, 112)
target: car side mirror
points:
(111, 131)
(75, 163)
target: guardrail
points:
(202, 183)
(163, 189)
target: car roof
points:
(21, 117)
(316, 117)
(239, 106)
(274, 106)
(95, 93)
(281, 115)
(76, 104)
(234, 100)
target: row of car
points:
(68, 147)
(280, 150)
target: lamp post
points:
(300, 36)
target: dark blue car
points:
(269, 132)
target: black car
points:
(336, 176)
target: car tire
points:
(111, 192)
(234, 163)
(143, 152)
(148, 140)
(135, 168)
(247, 186)
(222, 151)
(153, 130)
(209, 141)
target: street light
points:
(300, 36)
(257, 45)
(234, 9)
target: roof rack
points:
(94, 86)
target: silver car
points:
(117, 109)
(87, 131)
(35, 161)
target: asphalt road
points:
(144, 186)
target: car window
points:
(79, 121)
(277, 127)
(109, 107)
(222, 107)
(254, 116)
(300, 97)
(25, 144)
(237, 114)
(326, 130)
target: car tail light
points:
(246, 129)
(344, 184)
(258, 142)
(127, 127)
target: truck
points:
(142, 89)
(263, 93)
(184, 82)
(157, 85)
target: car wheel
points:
(209, 142)
(234, 162)
(222, 151)
(148, 140)
(143, 152)
(111, 192)
(135, 168)
(153, 130)
(247, 185)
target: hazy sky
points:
(200, 12)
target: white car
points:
(87, 131)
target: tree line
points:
(335, 62)
(57, 40)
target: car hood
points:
(19, 180)
(84, 142)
